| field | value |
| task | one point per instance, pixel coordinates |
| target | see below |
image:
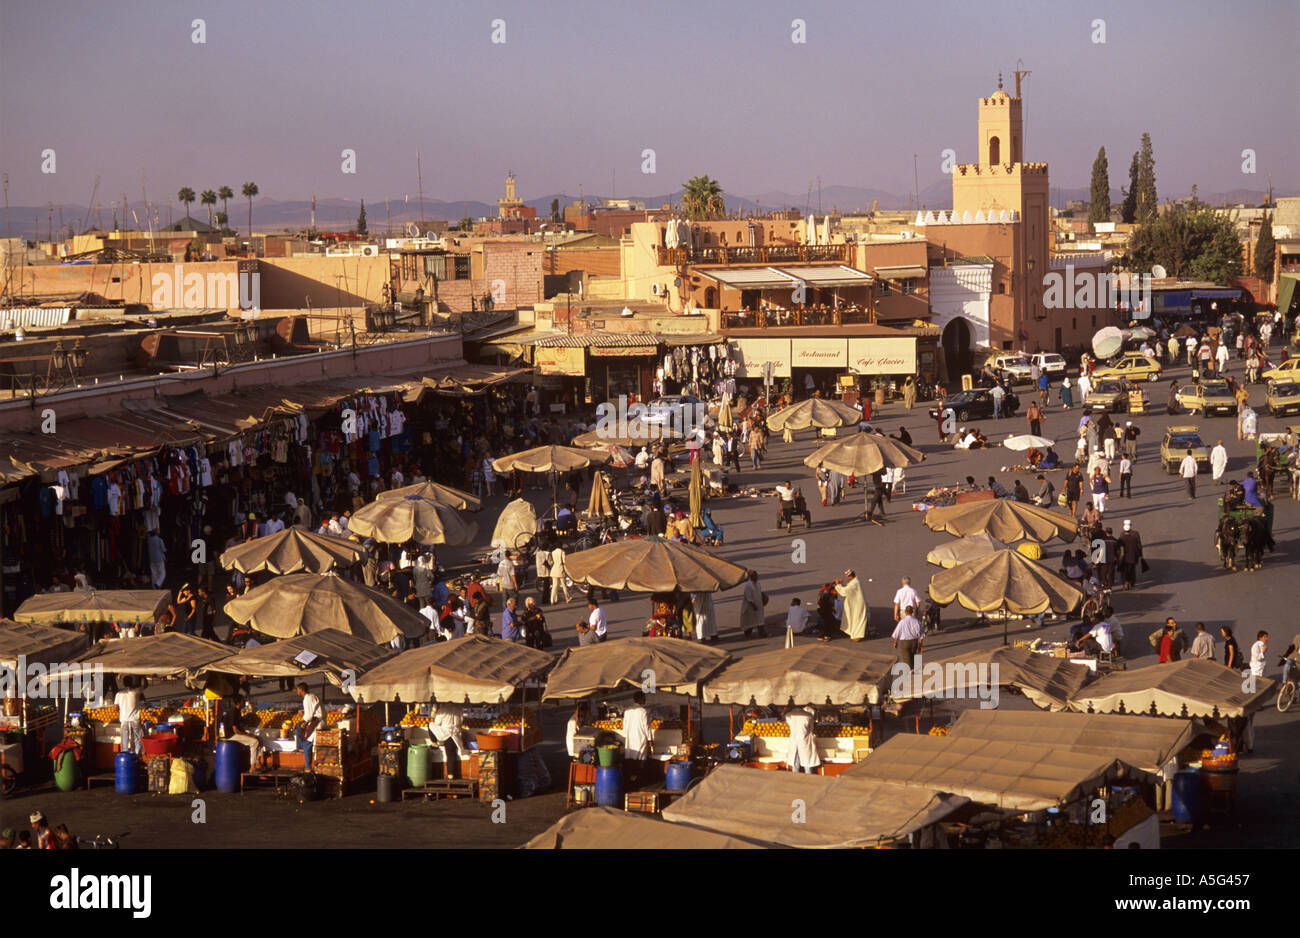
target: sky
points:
(578, 90)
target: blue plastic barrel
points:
(609, 786)
(229, 756)
(677, 776)
(126, 773)
(1187, 802)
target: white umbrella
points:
(1107, 342)
(1027, 441)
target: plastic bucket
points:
(126, 773)
(609, 787)
(417, 765)
(67, 772)
(385, 789)
(491, 741)
(608, 756)
(677, 776)
(1186, 799)
(227, 772)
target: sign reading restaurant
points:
(865, 356)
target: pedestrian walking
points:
(1034, 416)
(1067, 396)
(1125, 477)
(1218, 462)
(1131, 558)
(908, 637)
(1187, 472)
(876, 497)
(909, 392)
(1100, 489)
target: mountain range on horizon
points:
(338, 214)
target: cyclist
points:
(1290, 661)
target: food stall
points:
(346, 742)
(489, 679)
(1048, 682)
(829, 813)
(1023, 796)
(27, 653)
(173, 728)
(651, 665)
(839, 681)
(92, 611)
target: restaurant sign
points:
(818, 353)
(755, 352)
(882, 356)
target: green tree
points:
(465, 224)
(208, 198)
(186, 197)
(1146, 182)
(249, 191)
(1128, 208)
(225, 194)
(361, 219)
(702, 199)
(1099, 196)
(222, 220)
(1265, 250)
(555, 210)
(1195, 243)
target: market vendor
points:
(802, 750)
(444, 726)
(312, 715)
(231, 713)
(128, 701)
(579, 718)
(636, 730)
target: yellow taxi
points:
(1130, 368)
(1287, 371)
(1210, 397)
(1282, 398)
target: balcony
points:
(765, 254)
(814, 316)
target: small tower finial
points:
(999, 81)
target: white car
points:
(1049, 362)
(1014, 369)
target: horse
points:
(1225, 541)
(1253, 537)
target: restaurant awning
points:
(901, 272)
(788, 276)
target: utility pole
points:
(916, 180)
(419, 181)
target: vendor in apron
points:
(802, 750)
(444, 727)
(636, 730)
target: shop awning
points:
(1225, 294)
(603, 828)
(1193, 687)
(751, 278)
(1151, 745)
(1047, 681)
(703, 338)
(901, 272)
(171, 654)
(822, 674)
(1286, 289)
(787, 276)
(1006, 775)
(335, 651)
(838, 813)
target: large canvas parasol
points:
(630, 663)
(453, 498)
(1004, 518)
(1005, 580)
(293, 550)
(83, 606)
(549, 459)
(653, 565)
(864, 453)
(815, 412)
(302, 603)
(516, 524)
(963, 550)
(396, 520)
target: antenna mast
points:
(419, 182)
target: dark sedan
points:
(973, 405)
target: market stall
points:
(303, 603)
(516, 526)
(1042, 796)
(482, 682)
(551, 459)
(175, 728)
(1048, 682)
(840, 681)
(827, 813)
(29, 654)
(611, 829)
(347, 739)
(87, 609)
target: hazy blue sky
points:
(579, 89)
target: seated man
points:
(997, 488)
(797, 618)
(801, 508)
(231, 716)
(1034, 457)
(1250, 491)
(1235, 498)
(785, 505)
(1050, 460)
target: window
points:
(1002, 287)
(1074, 323)
(995, 148)
(908, 286)
(1007, 344)
(884, 288)
(462, 267)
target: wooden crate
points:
(643, 802)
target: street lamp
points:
(77, 358)
(251, 331)
(59, 357)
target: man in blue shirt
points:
(510, 630)
(1251, 487)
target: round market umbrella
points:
(653, 565)
(412, 518)
(302, 603)
(600, 506)
(549, 459)
(964, 549)
(517, 523)
(293, 550)
(1005, 518)
(603, 437)
(815, 412)
(1005, 580)
(1141, 332)
(726, 420)
(1185, 332)
(453, 498)
(1107, 342)
(697, 494)
(864, 453)
(1026, 441)
(667, 664)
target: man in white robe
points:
(1218, 462)
(854, 621)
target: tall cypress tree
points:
(1128, 208)
(1099, 196)
(1265, 250)
(361, 219)
(1146, 182)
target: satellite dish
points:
(431, 235)
(412, 229)
(627, 311)
(1158, 272)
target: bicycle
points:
(1286, 691)
(1097, 600)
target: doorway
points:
(957, 348)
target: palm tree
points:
(222, 220)
(208, 198)
(702, 199)
(186, 197)
(249, 190)
(225, 194)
